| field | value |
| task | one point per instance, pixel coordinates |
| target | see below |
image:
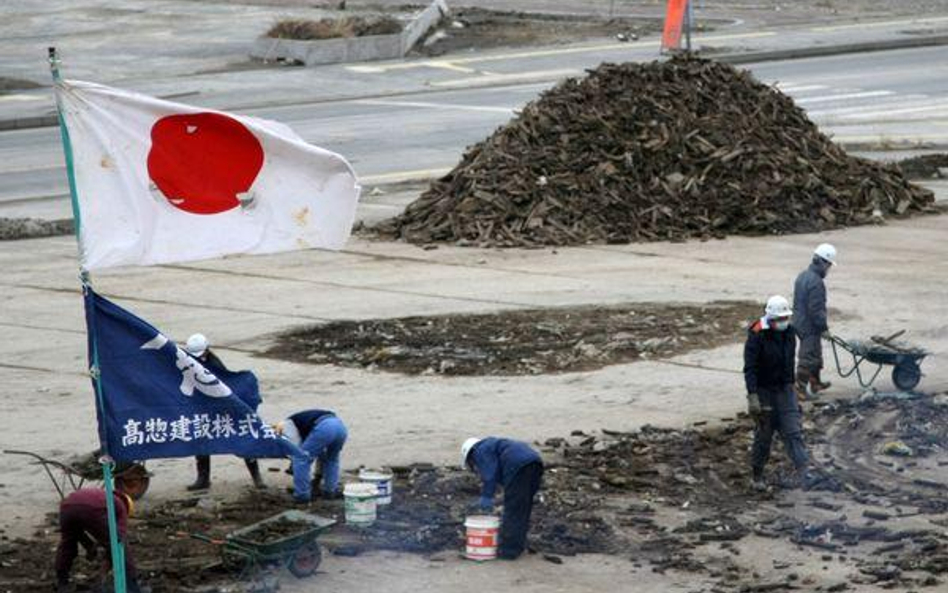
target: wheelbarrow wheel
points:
(305, 560)
(906, 375)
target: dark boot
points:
(801, 383)
(820, 384)
(254, 468)
(757, 479)
(203, 481)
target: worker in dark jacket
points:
(516, 467)
(321, 435)
(199, 347)
(83, 519)
(810, 320)
(768, 376)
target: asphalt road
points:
(865, 100)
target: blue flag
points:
(159, 401)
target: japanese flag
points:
(162, 182)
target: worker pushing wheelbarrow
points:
(880, 351)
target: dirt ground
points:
(669, 499)
(702, 529)
(526, 342)
(478, 28)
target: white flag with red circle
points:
(161, 182)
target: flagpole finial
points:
(53, 57)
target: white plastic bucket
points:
(360, 503)
(382, 480)
(481, 537)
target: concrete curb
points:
(33, 121)
(42, 121)
(831, 50)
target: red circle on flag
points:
(202, 161)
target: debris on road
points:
(480, 28)
(344, 27)
(926, 166)
(674, 150)
(519, 342)
(674, 499)
(14, 229)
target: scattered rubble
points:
(13, 229)
(349, 26)
(674, 499)
(926, 166)
(674, 150)
(519, 342)
(472, 27)
(8, 84)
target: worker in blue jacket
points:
(516, 467)
(321, 435)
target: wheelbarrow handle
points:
(202, 537)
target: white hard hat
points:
(197, 345)
(778, 306)
(466, 450)
(827, 252)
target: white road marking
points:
(803, 88)
(844, 96)
(21, 98)
(890, 112)
(893, 100)
(906, 140)
(427, 105)
(397, 176)
(914, 21)
(501, 78)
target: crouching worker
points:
(519, 469)
(83, 519)
(771, 400)
(321, 435)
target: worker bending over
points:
(321, 435)
(519, 469)
(83, 519)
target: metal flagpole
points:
(689, 22)
(118, 553)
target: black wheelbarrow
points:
(252, 549)
(880, 351)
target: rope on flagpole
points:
(118, 553)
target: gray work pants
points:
(810, 354)
(784, 417)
